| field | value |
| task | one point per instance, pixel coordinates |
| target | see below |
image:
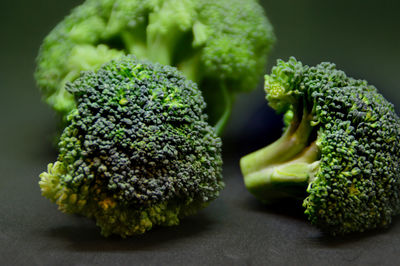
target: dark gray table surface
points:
(362, 37)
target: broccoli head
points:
(339, 150)
(220, 44)
(137, 151)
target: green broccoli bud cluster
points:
(339, 152)
(137, 151)
(220, 44)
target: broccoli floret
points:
(138, 150)
(220, 44)
(339, 152)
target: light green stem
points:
(292, 142)
(159, 50)
(190, 68)
(286, 180)
(134, 45)
(228, 101)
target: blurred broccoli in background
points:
(220, 44)
(339, 152)
(137, 151)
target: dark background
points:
(361, 37)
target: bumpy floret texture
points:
(358, 184)
(355, 183)
(138, 150)
(216, 41)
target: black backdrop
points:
(361, 37)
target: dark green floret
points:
(220, 44)
(339, 152)
(137, 152)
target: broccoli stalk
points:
(291, 161)
(166, 28)
(161, 39)
(228, 103)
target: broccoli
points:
(339, 150)
(137, 151)
(220, 44)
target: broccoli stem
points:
(135, 45)
(159, 49)
(161, 38)
(154, 45)
(190, 67)
(285, 167)
(228, 101)
(292, 142)
(286, 180)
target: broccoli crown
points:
(138, 150)
(219, 40)
(341, 143)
